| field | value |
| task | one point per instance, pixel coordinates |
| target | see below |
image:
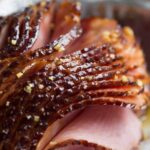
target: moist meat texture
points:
(68, 83)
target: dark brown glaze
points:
(4, 27)
(77, 142)
(82, 78)
(34, 62)
(24, 29)
(46, 11)
(30, 62)
(2, 22)
(97, 31)
(12, 68)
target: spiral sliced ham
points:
(51, 95)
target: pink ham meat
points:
(45, 27)
(111, 127)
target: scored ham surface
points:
(26, 30)
(48, 87)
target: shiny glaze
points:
(39, 86)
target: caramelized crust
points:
(74, 143)
(89, 76)
(23, 29)
(39, 86)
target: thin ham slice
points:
(67, 15)
(100, 126)
(76, 147)
(55, 128)
(23, 31)
(45, 27)
(98, 31)
(93, 30)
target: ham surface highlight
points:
(68, 83)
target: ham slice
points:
(55, 128)
(45, 27)
(26, 30)
(67, 15)
(61, 87)
(16, 64)
(111, 127)
(77, 147)
(93, 31)
(97, 31)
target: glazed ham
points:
(26, 30)
(73, 86)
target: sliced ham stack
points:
(68, 83)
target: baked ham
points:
(68, 83)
